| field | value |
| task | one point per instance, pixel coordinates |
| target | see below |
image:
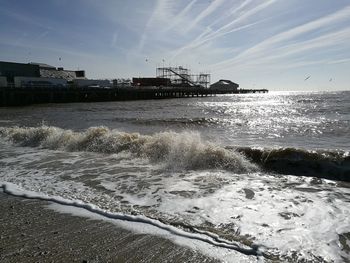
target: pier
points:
(20, 96)
(37, 83)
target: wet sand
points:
(30, 232)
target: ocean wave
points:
(185, 150)
(334, 165)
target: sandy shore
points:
(30, 232)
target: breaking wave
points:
(184, 150)
(334, 165)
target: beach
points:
(31, 232)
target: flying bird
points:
(307, 78)
(331, 79)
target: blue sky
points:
(272, 44)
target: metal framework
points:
(180, 76)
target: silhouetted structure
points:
(182, 77)
(224, 85)
(11, 70)
(27, 73)
(157, 82)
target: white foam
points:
(205, 243)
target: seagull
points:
(307, 78)
(331, 79)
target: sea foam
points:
(185, 150)
(206, 237)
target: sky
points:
(273, 44)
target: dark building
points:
(80, 73)
(151, 82)
(11, 70)
(224, 85)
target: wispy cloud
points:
(25, 19)
(205, 13)
(233, 11)
(162, 11)
(196, 43)
(230, 27)
(266, 49)
(43, 34)
(327, 40)
(115, 37)
(181, 16)
(339, 61)
(248, 13)
(53, 48)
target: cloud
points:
(327, 40)
(43, 34)
(181, 16)
(114, 41)
(206, 12)
(162, 11)
(339, 61)
(268, 47)
(25, 19)
(230, 27)
(56, 49)
(243, 16)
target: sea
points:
(262, 175)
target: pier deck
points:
(11, 96)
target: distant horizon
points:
(272, 44)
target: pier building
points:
(224, 85)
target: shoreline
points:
(31, 232)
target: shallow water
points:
(249, 168)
